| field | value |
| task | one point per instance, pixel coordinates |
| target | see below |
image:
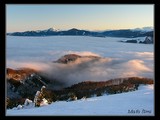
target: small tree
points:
(28, 103)
(37, 99)
(40, 97)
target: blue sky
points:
(23, 17)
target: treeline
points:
(90, 88)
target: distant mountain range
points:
(129, 33)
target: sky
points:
(23, 17)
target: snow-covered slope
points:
(136, 103)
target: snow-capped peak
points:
(52, 29)
(46, 30)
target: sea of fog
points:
(118, 59)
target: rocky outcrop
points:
(68, 58)
(146, 40)
(23, 82)
(73, 57)
(19, 74)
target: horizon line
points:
(84, 29)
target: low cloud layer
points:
(89, 69)
(117, 59)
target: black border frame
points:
(157, 45)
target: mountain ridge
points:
(130, 33)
